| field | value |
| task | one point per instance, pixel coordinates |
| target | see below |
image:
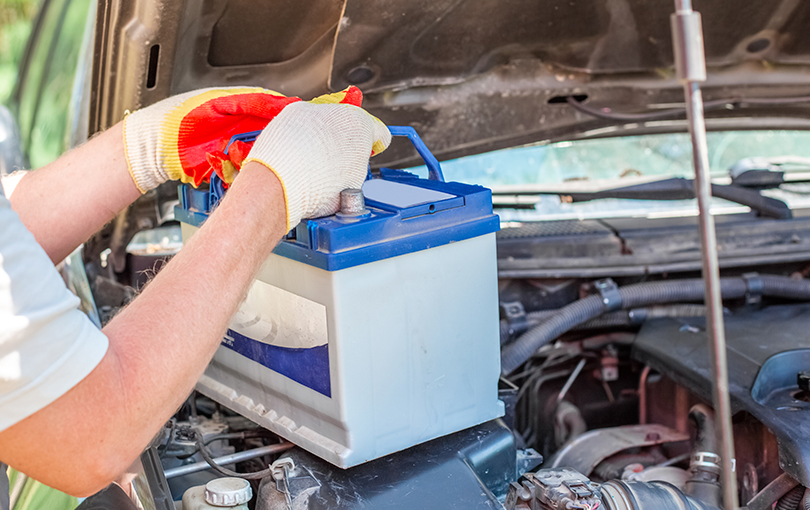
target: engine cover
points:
(762, 380)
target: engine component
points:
(554, 489)
(704, 465)
(763, 362)
(642, 294)
(766, 498)
(224, 493)
(568, 423)
(586, 451)
(468, 470)
(182, 436)
(631, 495)
(242, 456)
(669, 474)
(567, 489)
(518, 321)
(791, 500)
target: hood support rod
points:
(690, 63)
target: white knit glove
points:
(316, 151)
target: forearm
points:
(216, 266)
(67, 201)
(159, 346)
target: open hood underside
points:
(469, 75)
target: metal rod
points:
(642, 396)
(228, 459)
(690, 61)
(571, 380)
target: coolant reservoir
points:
(219, 494)
(369, 331)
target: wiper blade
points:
(678, 188)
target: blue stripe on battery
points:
(309, 367)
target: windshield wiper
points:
(770, 173)
(676, 188)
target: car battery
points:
(372, 330)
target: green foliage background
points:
(15, 25)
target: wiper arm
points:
(682, 189)
(769, 173)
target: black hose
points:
(640, 295)
(622, 318)
(255, 475)
(791, 500)
(516, 353)
(705, 440)
(704, 479)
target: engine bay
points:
(611, 407)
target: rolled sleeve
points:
(47, 345)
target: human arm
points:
(65, 202)
(160, 344)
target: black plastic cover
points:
(467, 470)
(765, 349)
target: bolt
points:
(352, 204)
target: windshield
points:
(624, 161)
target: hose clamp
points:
(705, 460)
(609, 291)
(753, 288)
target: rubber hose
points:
(791, 500)
(656, 312)
(632, 296)
(636, 296)
(780, 286)
(704, 423)
(805, 503)
(623, 318)
(516, 353)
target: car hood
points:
(469, 75)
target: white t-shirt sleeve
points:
(46, 344)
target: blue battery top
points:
(407, 214)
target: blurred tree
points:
(15, 25)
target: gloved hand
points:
(176, 137)
(316, 151)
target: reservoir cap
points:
(227, 492)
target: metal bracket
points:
(280, 470)
(609, 291)
(515, 315)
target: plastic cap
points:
(228, 492)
